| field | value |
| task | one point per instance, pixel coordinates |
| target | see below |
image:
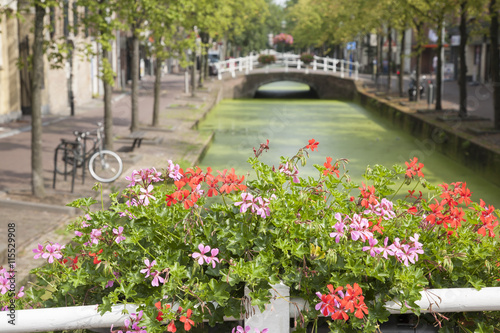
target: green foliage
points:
(285, 236)
(307, 58)
(266, 59)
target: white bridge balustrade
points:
(289, 60)
(275, 317)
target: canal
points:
(344, 130)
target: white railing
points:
(289, 60)
(275, 317)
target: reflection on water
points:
(344, 130)
(286, 90)
(284, 85)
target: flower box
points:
(198, 238)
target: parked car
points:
(213, 59)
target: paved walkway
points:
(40, 220)
(479, 96)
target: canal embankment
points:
(471, 141)
(466, 141)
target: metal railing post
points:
(325, 66)
(314, 65)
(342, 68)
(356, 70)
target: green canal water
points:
(344, 130)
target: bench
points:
(137, 136)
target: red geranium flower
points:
(313, 144)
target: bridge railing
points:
(276, 317)
(290, 60)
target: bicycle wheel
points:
(70, 164)
(67, 162)
(105, 166)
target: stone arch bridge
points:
(325, 85)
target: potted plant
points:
(307, 58)
(283, 38)
(266, 59)
(184, 244)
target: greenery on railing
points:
(307, 58)
(266, 59)
(183, 244)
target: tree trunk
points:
(193, 74)
(401, 63)
(224, 48)
(417, 75)
(200, 77)
(379, 61)
(38, 188)
(418, 27)
(389, 57)
(205, 69)
(135, 82)
(495, 58)
(462, 83)
(156, 105)
(439, 71)
(108, 111)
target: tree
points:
(307, 23)
(495, 58)
(435, 12)
(38, 187)
(100, 21)
(135, 15)
(462, 80)
(167, 39)
(254, 35)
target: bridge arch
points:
(306, 91)
(326, 85)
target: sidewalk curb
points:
(37, 207)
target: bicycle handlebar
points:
(85, 134)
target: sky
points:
(280, 2)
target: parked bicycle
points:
(104, 165)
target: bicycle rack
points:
(69, 150)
